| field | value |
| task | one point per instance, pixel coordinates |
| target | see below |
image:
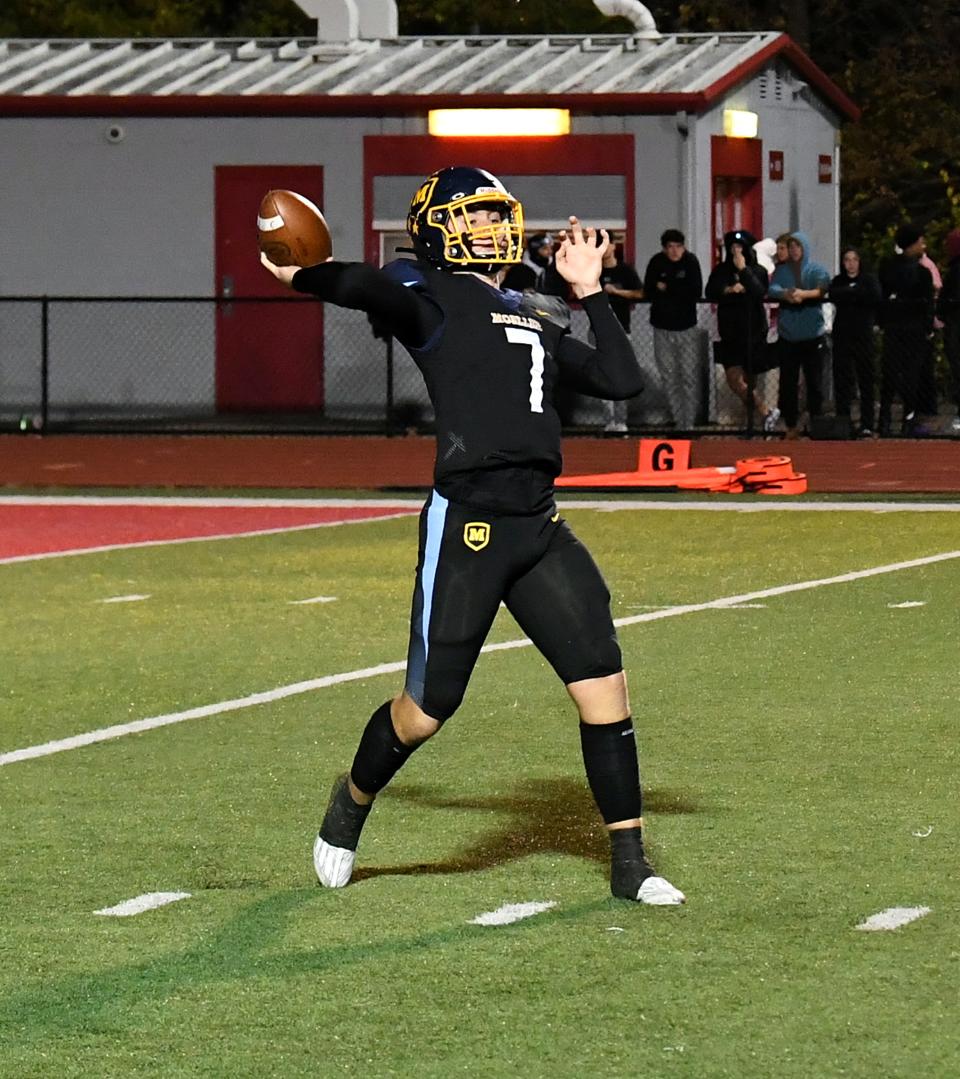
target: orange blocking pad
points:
(664, 465)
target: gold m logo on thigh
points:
(476, 535)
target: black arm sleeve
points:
(610, 370)
(404, 312)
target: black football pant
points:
(471, 560)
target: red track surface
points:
(882, 467)
(40, 529)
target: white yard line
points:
(511, 912)
(715, 505)
(135, 727)
(140, 903)
(892, 918)
(201, 539)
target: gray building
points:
(134, 168)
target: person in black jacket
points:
(948, 309)
(737, 286)
(856, 296)
(490, 531)
(907, 319)
(673, 284)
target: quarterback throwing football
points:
(490, 531)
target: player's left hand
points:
(579, 259)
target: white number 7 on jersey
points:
(517, 336)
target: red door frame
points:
(737, 159)
(566, 155)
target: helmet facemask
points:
(483, 244)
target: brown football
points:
(291, 230)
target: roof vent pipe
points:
(639, 14)
(346, 20)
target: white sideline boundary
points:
(119, 730)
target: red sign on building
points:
(775, 165)
(825, 169)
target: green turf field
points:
(800, 764)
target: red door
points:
(737, 191)
(269, 356)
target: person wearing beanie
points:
(799, 286)
(529, 272)
(737, 286)
(948, 309)
(856, 296)
(906, 315)
(673, 283)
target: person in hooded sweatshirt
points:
(737, 286)
(907, 318)
(799, 286)
(948, 309)
(529, 272)
(856, 296)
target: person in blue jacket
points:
(799, 286)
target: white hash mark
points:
(132, 598)
(140, 903)
(893, 918)
(313, 599)
(908, 603)
(511, 912)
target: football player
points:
(490, 531)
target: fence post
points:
(389, 418)
(44, 363)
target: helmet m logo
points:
(476, 535)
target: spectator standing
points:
(907, 319)
(529, 272)
(737, 286)
(621, 282)
(673, 283)
(856, 296)
(948, 309)
(799, 286)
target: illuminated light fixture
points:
(498, 122)
(739, 124)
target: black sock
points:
(629, 867)
(380, 754)
(344, 819)
(613, 772)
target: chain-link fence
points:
(292, 365)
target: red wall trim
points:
(420, 155)
(346, 105)
(736, 157)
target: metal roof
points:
(407, 67)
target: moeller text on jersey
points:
(516, 320)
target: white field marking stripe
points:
(907, 603)
(119, 730)
(137, 905)
(606, 505)
(219, 502)
(893, 918)
(312, 599)
(199, 539)
(511, 912)
(124, 599)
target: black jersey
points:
(491, 360)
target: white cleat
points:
(659, 892)
(334, 865)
